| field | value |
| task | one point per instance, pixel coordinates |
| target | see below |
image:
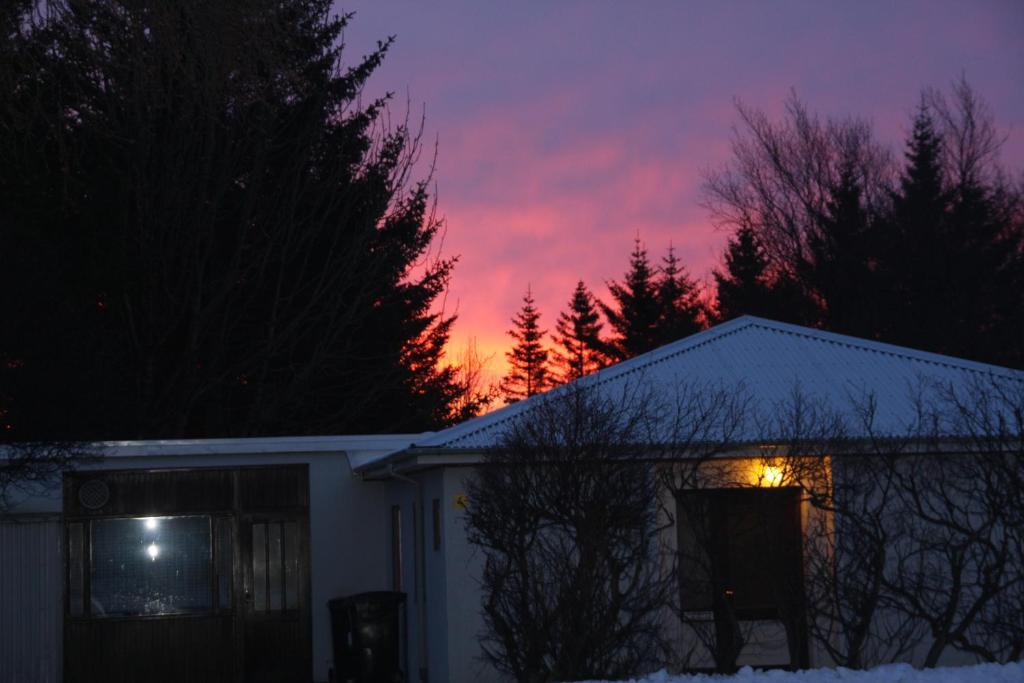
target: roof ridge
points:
(600, 377)
(682, 347)
(894, 350)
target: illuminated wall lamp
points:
(770, 476)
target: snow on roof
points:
(767, 359)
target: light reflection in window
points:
(151, 565)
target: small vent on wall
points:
(94, 494)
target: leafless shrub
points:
(570, 516)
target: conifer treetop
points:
(528, 359)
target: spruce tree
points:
(919, 260)
(578, 337)
(989, 232)
(743, 286)
(528, 359)
(680, 310)
(748, 287)
(205, 231)
(842, 271)
(633, 316)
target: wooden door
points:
(275, 612)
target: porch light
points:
(770, 476)
(153, 550)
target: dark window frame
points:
(288, 598)
(722, 508)
(81, 568)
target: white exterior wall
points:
(465, 566)
(462, 606)
(435, 589)
(452, 575)
(349, 537)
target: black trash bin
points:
(369, 637)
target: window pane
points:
(695, 541)
(764, 555)
(750, 558)
(259, 567)
(225, 562)
(275, 562)
(76, 567)
(291, 565)
(151, 565)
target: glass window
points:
(742, 545)
(225, 562)
(151, 565)
(76, 583)
(275, 566)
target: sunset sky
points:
(563, 128)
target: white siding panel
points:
(31, 600)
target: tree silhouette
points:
(680, 310)
(528, 359)
(743, 286)
(845, 248)
(203, 232)
(578, 337)
(920, 259)
(633, 315)
(928, 255)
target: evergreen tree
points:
(918, 262)
(578, 336)
(680, 310)
(204, 233)
(934, 260)
(742, 288)
(635, 311)
(988, 320)
(843, 271)
(747, 286)
(528, 359)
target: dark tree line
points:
(651, 306)
(830, 230)
(204, 230)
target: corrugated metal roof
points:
(768, 360)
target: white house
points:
(214, 559)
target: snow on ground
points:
(892, 673)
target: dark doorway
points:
(188, 575)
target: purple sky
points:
(564, 128)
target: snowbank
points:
(892, 673)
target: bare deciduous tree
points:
(783, 176)
(32, 468)
(571, 517)
(567, 516)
